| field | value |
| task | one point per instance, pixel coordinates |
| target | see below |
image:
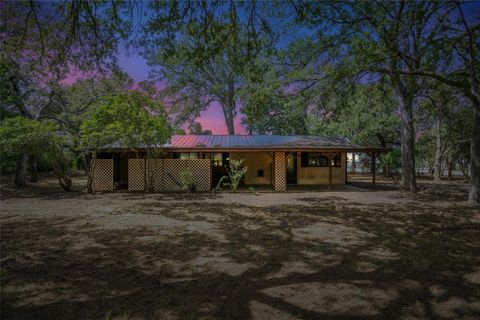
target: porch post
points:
(330, 172)
(374, 158)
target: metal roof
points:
(260, 142)
(253, 141)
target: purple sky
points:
(211, 119)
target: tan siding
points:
(319, 175)
(254, 162)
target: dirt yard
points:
(348, 254)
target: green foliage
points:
(186, 179)
(131, 120)
(206, 60)
(392, 161)
(128, 119)
(61, 159)
(7, 164)
(366, 116)
(235, 172)
(219, 185)
(196, 128)
(70, 105)
(19, 135)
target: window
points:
(260, 173)
(215, 157)
(186, 155)
(320, 160)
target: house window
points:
(186, 155)
(216, 158)
(310, 159)
(260, 173)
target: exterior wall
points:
(166, 172)
(256, 161)
(319, 175)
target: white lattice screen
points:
(164, 174)
(171, 173)
(155, 175)
(202, 175)
(102, 174)
(136, 174)
(280, 181)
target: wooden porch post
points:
(330, 157)
(374, 158)
(329, 172)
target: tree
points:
(202, 50)
(43, 41)
(457, 43)
(375, 122)
(281, 92)
(20, 136)
(376, 44)
(128, 119)
(70, 104)
(196, 128)
(443, 127)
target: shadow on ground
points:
(329, 258)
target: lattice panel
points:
(155, 174)
(165, 174)
(102, 174)
(171, 173)
(136, 174)
(280, 180)
(201, 170)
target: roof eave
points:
(262, 149)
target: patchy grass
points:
(318, 255)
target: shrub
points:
(186, 179)
(235, 172)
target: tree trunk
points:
(474, 196)
(230, 125)
(90, 172)
(437, 166)
(32, 167)
(450, 168)
(407, 136)
(228, 106)
(21, 171)
(229, 116)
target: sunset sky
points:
(211, 119)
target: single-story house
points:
(272, 160)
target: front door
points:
(292, 168)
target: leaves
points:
(129, 120)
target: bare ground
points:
(349, 254)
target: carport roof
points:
(199, 143)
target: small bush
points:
(186, 179)
(235, 172)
